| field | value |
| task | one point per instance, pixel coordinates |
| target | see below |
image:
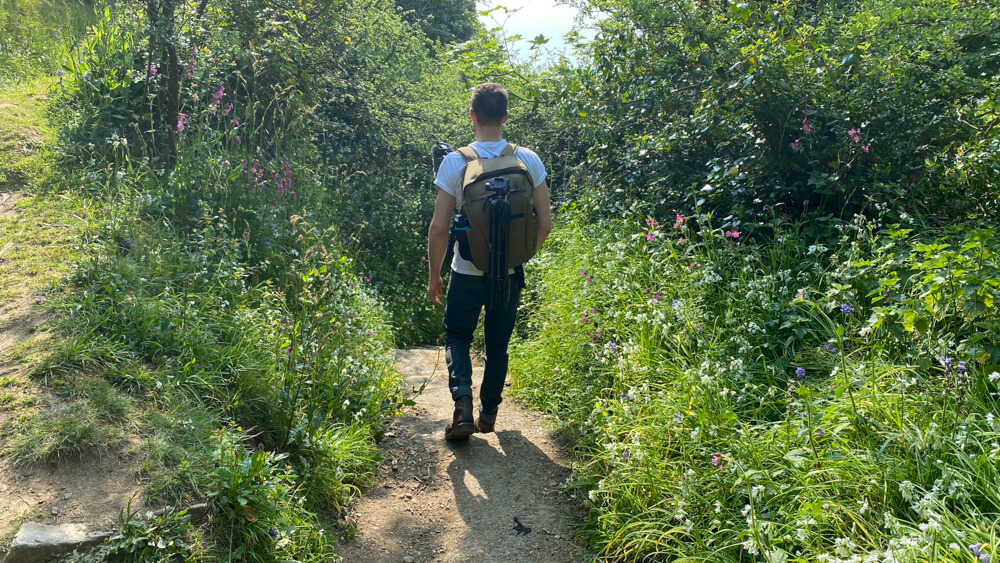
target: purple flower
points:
(947, 364)
(846, 309)
(677, 303)
(182, 121)
(626, 454)
(678, 418)
(273, 533)
(982, 557)
(961, 368)
(819, 432)
(613, 347)
(371, 334)
(805, 126)
(800, 372)
(832, 349)
(656, 297)
(217, 96)
(59, 72)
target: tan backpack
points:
(473, 204)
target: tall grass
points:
(748, 394)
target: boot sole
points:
(463, 430)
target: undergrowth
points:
(749, 393)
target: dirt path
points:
(445, 502)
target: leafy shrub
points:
(745, 400)
(148, 537)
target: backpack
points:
(474, 207)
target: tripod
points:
(498, 281)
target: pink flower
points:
(680, 218)
(795, 144)
(182, 121)
(864, 148)
(219, 94)
(681, 240)
(371, 334)
(656, 297)
(367, 279)
(857, 139)
(852, 132)
(238, 140)
(650, 222)
(228, 109)
(805, 126)
(650, 237)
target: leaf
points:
(778, 555)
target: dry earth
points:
(88, 491)
(446, 502)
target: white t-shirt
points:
(449, 179)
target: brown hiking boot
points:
(485, 422)
(462, 425)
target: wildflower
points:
(982, 557)
(371, 334)
(678, 418)
(182, 121)
(650, 222)
(947, 364)
(288, 351)
(626, 454)
(583, 319)
(795, 145)
(590, 279)
(238, 140)
(228, 109)
(273, 533)
(583, 274)
(805, 125)
(767, 207)
(864, 148)
(593, 311)
(798, 295)
(235, 122)
(154, 69)
(961, 368)
(716, 459)
(677, 303)
(366, 278)
(680, 240)
(656, 297)
(832, 349)
(800, 372)
(217, 96)
(650, 237)
(59, 72)
(613, 347)
(350, 314)
(846, 309)
(994, 377)
(819, 432)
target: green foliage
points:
(148, 537)
(674, 354)
(451, 21)
(828, 107)
(33, 34)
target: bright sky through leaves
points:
(533, 18)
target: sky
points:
(533, 18)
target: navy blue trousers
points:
(466, 297)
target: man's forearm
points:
(437, 246)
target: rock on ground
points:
(34, 541)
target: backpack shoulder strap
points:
(509, 150)
(468, 153)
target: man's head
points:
(489, 104)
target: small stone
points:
(407, 559)
(35, 541)
(68, 496)
(55, 510)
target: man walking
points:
(468, 290)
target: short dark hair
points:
(489, 102)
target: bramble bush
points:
(771, 397)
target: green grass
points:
(675, 364)
(64, 433)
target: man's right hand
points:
(434, 290)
